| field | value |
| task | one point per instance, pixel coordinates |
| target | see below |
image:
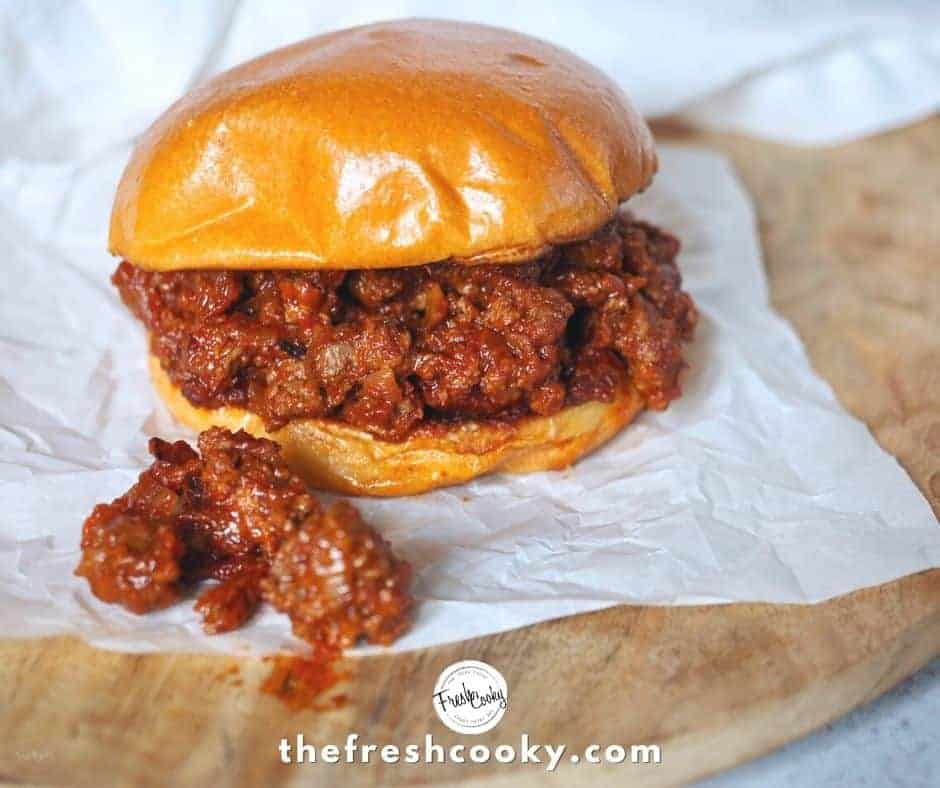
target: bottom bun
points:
(335, 456)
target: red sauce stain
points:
(230, 676)
(301, 682)
(233, 676)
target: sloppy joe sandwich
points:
(401, 251)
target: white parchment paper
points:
(755, 486)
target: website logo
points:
(471, 696)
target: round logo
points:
(470, 696)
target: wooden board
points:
(853, 252)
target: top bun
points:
(388, 145)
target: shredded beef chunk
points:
(131, 559)
(243, 500)
(231, 603)
(391, 350)
(234, 513)
(338, 581)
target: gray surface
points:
(894, 741)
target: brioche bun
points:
(334, 456)
(389, 145)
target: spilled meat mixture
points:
(399, 350)
(233, 513)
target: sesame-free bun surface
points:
(388, 145)
(334, 456)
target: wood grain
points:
(853, 253)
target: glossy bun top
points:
(387, 145)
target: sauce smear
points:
(301, 682)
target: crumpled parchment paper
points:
(754, 486)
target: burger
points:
(401, 252)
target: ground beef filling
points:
(392, 351)
(234, 513)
